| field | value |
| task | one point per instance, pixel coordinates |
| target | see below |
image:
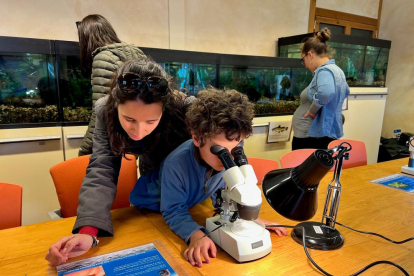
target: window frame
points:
(347, 20)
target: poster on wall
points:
(279, 131)
(345, 104)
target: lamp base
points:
(318, 236)
(407, 170)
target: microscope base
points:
(407, 170)
(242, 249)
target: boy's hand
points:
(200, 245)
(279, 230)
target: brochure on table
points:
(398, 181)
(143, 260)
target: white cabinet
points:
(73, 137)
(26, 156)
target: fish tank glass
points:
(271, 89)
(363, 60)
(27, 88)
(75, 90)
(272, 84)
(41, 82)
(190, 78)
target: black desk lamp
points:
(293, 193)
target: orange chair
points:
(295, 158)
(10, 205)
(68, 175)
(357, 155)
(262, 166)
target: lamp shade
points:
(293, 192)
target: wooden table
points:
(23, 249)
(364, 206)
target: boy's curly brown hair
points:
(216, 111)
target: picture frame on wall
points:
(279, 131)
(345, 104)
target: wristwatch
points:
(95, 241)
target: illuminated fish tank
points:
(41, 82)
(363, 60)
(27, 83)
(272, 84)
(190, 78)
(74, 86)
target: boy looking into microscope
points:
(191, 173)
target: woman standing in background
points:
(318, 120)
(101, 53)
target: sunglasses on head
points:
(131, 81)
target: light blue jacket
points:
(328, 90)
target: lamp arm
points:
(333, 194)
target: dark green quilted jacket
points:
(106, 60)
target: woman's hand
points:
(68, 247)
(280, 231)
(200, 245)
(308, 113)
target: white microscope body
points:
(410, 168)
(243, 238)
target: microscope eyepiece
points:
(224, 155)
(239, 156)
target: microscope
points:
(410, 168)
(235, 230)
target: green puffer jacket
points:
(106, 60)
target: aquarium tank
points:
(42, 84)
(363, 60)
(190, 78)
(27, 82)
(273, 90)
(75, 90)
(272, 84)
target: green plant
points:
(276, 106)
(78, 114)
(7, 81)
(78, 91)
(26, 115)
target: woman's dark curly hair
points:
(216, 111)
(171, 130)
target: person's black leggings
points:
(311, 143)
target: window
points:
(361, 33)
(335, 29)
(343, 23)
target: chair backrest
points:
(295, 158)
(68, 176)
(10, 205)
(262, 166)
(357, 155)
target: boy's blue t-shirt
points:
(176, 187)
(182, 187)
